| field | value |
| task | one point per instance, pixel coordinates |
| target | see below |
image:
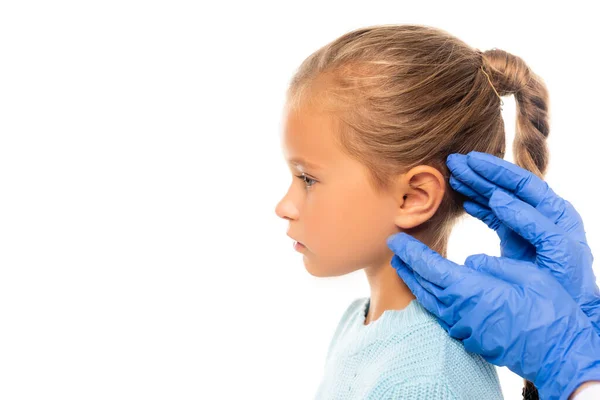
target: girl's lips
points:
(299, 246)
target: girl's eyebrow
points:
(299, 161)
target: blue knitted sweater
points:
(404, 354)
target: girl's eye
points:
(302, 177)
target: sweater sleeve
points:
(419, 391)
(468, 375)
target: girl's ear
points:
(419, 193)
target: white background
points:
(140, 167)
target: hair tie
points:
(492, 85)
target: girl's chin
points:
(318, 272)
(315, 270)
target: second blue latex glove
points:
(533, 223)
(510, 312)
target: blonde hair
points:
(406, 95)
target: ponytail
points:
(510, 75)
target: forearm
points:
(583, 386)
(570, 363)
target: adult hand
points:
(533, 224)
(510, 312)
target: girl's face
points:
(330, 206)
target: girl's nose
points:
(285, 209)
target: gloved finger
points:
(430, 287)
(457, 164)
(523, 183)
(461, 330)
(429, 301)
(479, 324)
(423, 260)
(530, 188)
(483, 213)
(545, 236)
(438, 309)
(507, 269)
(467, 191)
(474, 342)
(445, 318)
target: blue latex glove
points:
(511, 312)
(535, 224)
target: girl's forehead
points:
(308, 140)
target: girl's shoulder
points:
(429, 355)
(468, 374)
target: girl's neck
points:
(388, 291)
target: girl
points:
(369, 121)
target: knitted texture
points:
(404, 354)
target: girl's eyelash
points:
(301, 177)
